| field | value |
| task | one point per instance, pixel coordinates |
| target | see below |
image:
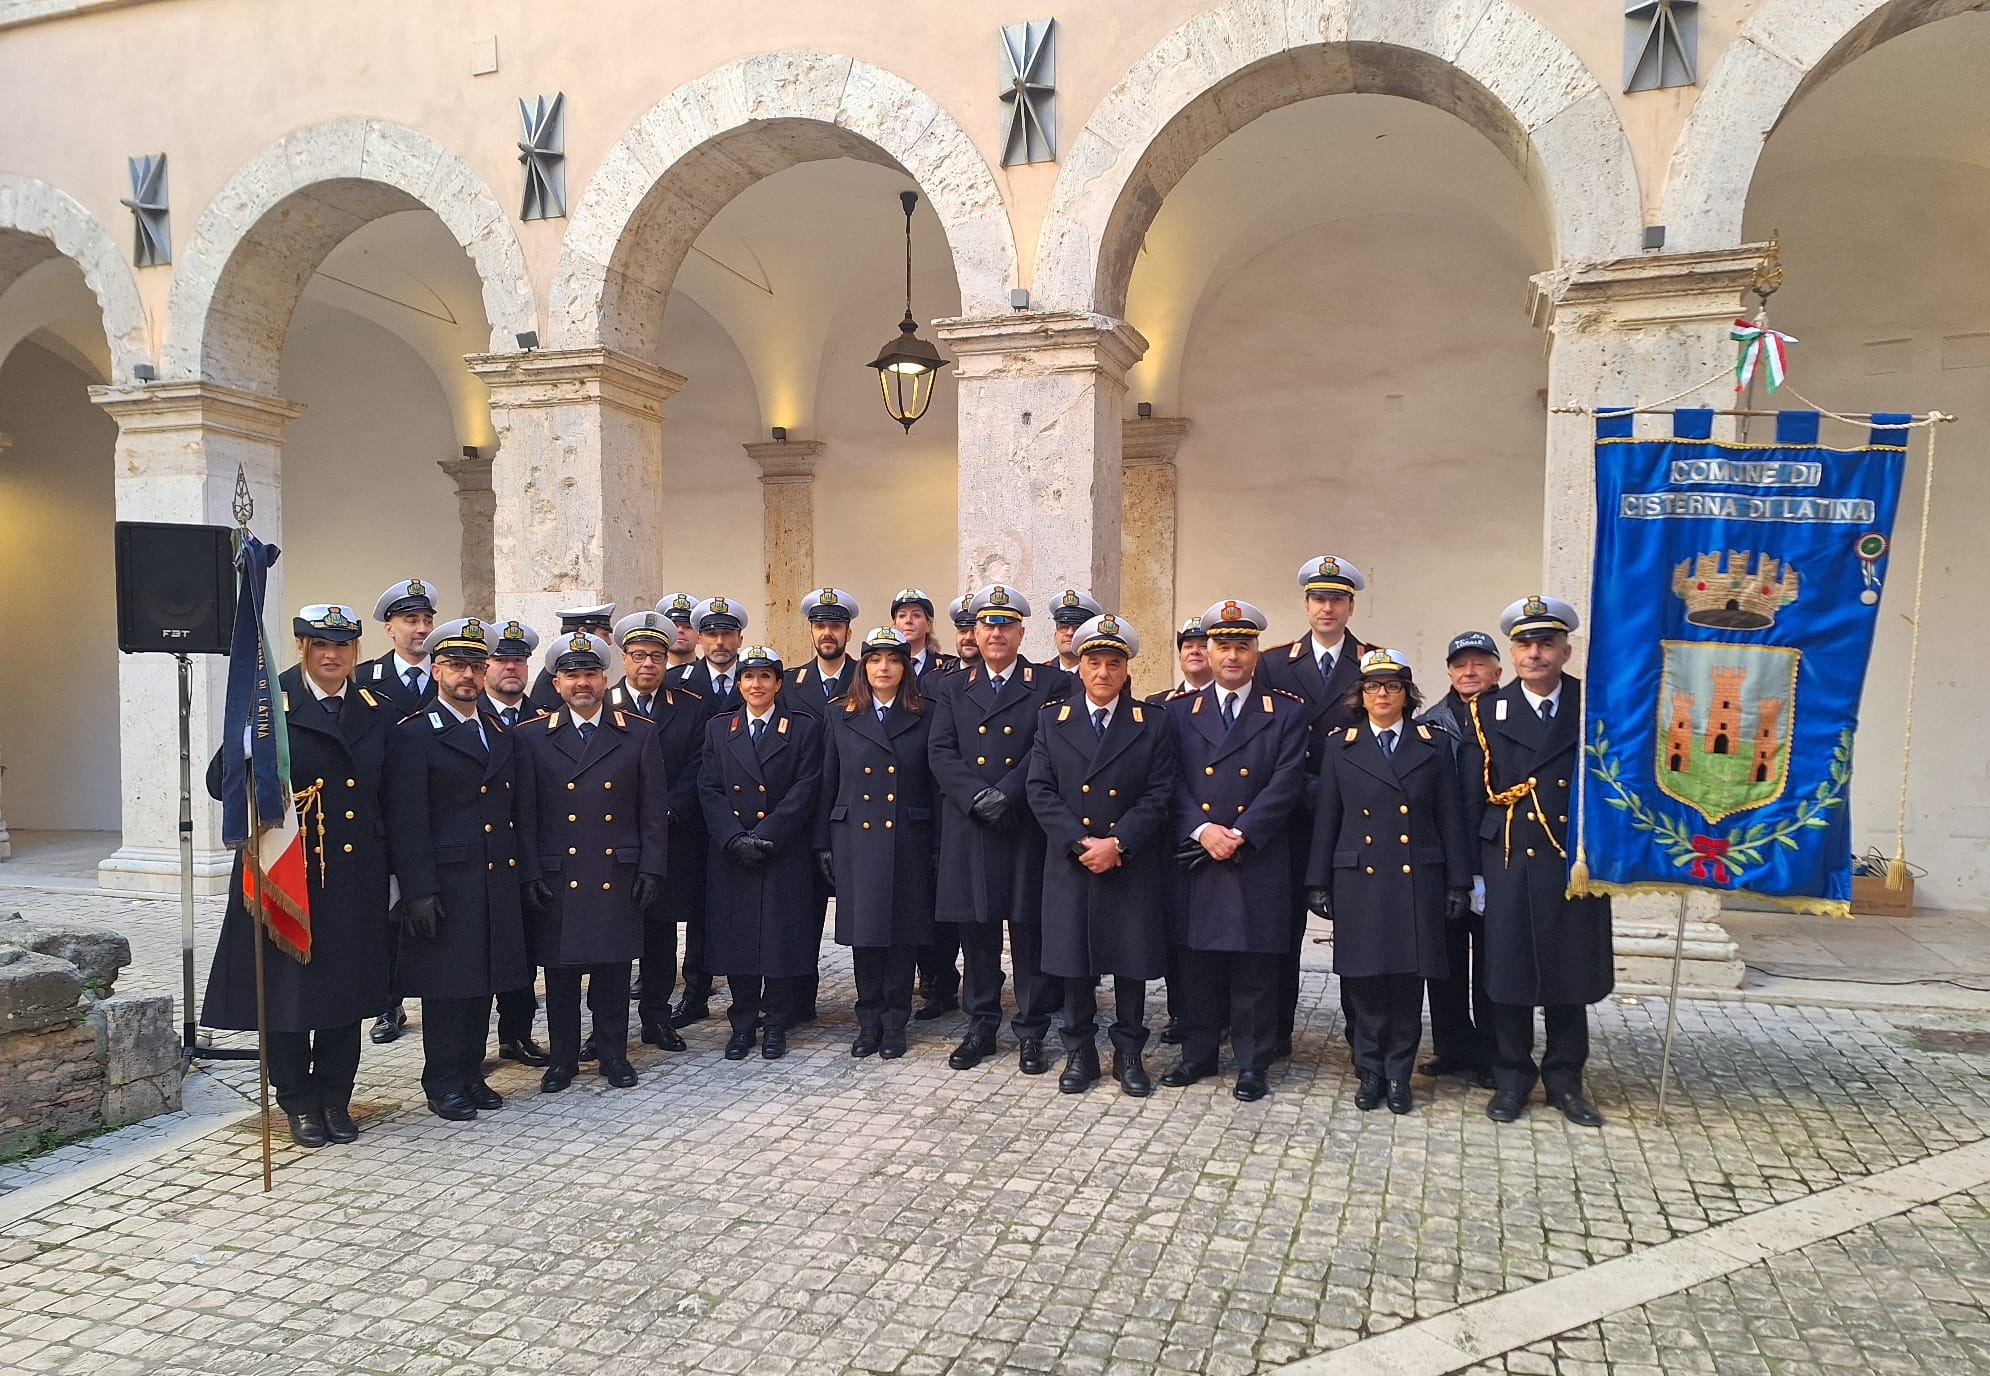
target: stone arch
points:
(1785, 50)
(1487, 61)
(38, 221)
(707, 141)
(239, 277)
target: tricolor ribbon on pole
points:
(1763, 346)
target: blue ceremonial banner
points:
(1732, 612)
(255, 747)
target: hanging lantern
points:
(907, 364)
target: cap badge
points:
(1108, 627)
(682, 602)
(335, 617)
(580, 644)
(473, 629)
(719, 607)
(1534, 607)
(828, 598)
(415, 589)
(1329, 564)
(998, 596)
(1232, 612)
(514, 631)
(1070, 598)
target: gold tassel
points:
(1896, 873)
(1579, 875)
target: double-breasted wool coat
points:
(877, 819)
(760, 919)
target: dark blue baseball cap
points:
(1471, 640)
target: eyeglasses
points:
(1386, 689)
(644, 656)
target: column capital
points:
(1042, 342)
(563, 377)
(471, 476)
(1655, 289)
(1146, 440)
(785, 461)
(203, 405)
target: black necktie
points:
(413, 676)
(753, 732)
(477, 734)
(510, 715)
(586, 732)
(828, 688)
(995, 684)
(643, 701)
(1547, 711)
(1099, 720)
(1229, 709)
(882, 709)
(1388, 739)
(332, 705)
(724, 685)
(1326, 662)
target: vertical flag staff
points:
(252, 870)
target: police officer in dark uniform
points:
(939, 959)
(991, 848)
(1543, 949)
(758, 779)
(600, 807)
(711, 682)
(402, 678)
(912, 617)
(678, 606)
(338, 746)
(505, 686)
(458, 819)
(1192, 662)
(1242, 751)
(877, 833)
(644, 639)
(811, 687)
(961, 613)
(1102, 786)
(1069, 610)
(596, 621)
(1390, 869)
(1321, 667)
(1461, 1039)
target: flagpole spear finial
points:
(1768, 274)
(245, 505)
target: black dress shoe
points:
(971, 1052)
(868, 1040)
(1081, 1068)
(1399, 1099)
(483, 1096)
(454, 1107)
(936, 1008)
(739, 1046)
(1251, 1086)
(619, 1073)
(339, 1126)
(1577, 1110)
(774, 1043)
(1030, 1058)
(891, 1043)
(589, 1050)
(1131, 1072)
(307, 1129)
(1171, 1035)
(690, 1011)
(557, 1078)
(525, 1051)
(1506, 1106)
(1368, 1094)
(659, 1034)
(1185, 1074)
(387, 1027)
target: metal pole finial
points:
(245, 505)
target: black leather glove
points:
(1457, 902)
(765, 847)
(825, 865)
(741, 850)
(990, 808)
(420, 917)
(1189, 854)
(1320, 901)
(647, 891)
(538, 895)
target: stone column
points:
(1629, 333)
(1147, 527)
(1039, 451)
(578, 476)
(787, 499)
(179, 448)
(476, 503)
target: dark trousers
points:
(454, 1033)
(1244, 985)
(981, 979)
(1386, 1022)
(607, 1002)
(1301, 853)
(884, 985)
(939, 973)
(313, 1070)
(807, 986)
(697, 977)
(1567, 1051)
(1128, 1032)
(517, 1010)
(658, 968)
(757, 997)
(1460, 1011)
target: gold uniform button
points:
(610, 852)
(1532, 782)
(1404, 839)
(1084, 788)
(1561, 783)
(573, 883)
(607, 816)
(1240, 809)
(891, 797)
(887, 826)
(350, 815)
(1371, 869)
(571, 787)
(487, 826)
(984, 730)
(607, 886)
(607, 784)
(1007, 729)
(1008, 762)
(867, 797)
(891, 769)
(490, 865)
(981, 759)
(1530, 852)
(1364, 812)
(573, 817)
(867, 826)
(1243, 773)
(761, 817)
(763, 788)
(1406, 869)
(1404, 809)
(1085, 820)
(1530, 814)
(1205, 807)
(511, 864)
(739, 788)
(1562, 819)
(1112, 793)
(573, 850)
(1209, 769)
(1368, 840)
(321, 783)
(348, 848)
(867, 769)
(483, 788)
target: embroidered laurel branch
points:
(1745, 848)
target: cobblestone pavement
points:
(820, 1214)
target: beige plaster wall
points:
(58, 599)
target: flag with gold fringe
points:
(1734, 599)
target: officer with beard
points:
(595, 621)
(1069, 610)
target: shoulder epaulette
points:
(1423, 730)
(1029, 673)
(552, 720)
(1353, 735)
(1198, 705)
(1296, 650)
(286, 702)
(668, 700)
(1136, 713)
(1267, 700)
(1063, 710)
(782, 729)
(434, 720)
(849, 706)
(736, 716)
(368, 698)
(1283, 693)
(621, 722)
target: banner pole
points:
(1672, 1006)
(253, 860)
(187, 1013)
